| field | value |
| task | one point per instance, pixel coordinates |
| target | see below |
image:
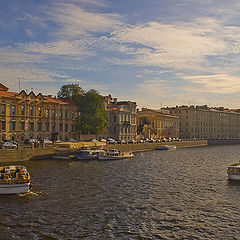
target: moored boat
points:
(62, 155)
(115, 154)
(234, 171)
(14, 180)
(88, 154)
(166, 147)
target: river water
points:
(182, 194)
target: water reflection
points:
(181, 194)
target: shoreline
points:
(26, 154)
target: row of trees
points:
(93, 116)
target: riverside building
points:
(206, 122)
(121, 119)
(30, 116)
(157, 124)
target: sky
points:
(156, 52)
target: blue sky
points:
(155, 52)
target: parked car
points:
(72, 140)
(94, 140)
(131, 141)
(103, 140)
(111, 141)
(47, 141)
(121, 142)
(10, 145)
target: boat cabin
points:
(14, 175)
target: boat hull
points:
(63, 157)
(14, 188)
(233, 177)
(102, 158)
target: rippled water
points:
(182, 194)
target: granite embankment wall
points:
(223, 141)
(140, 147)
(24, 154)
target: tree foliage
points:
(93, 116)
(143, 121)
(70, 92)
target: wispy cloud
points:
(74, 21)
(218, 83)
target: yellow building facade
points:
(30, 116)
(157, 124)
(206, 122)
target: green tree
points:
(70, 92)
(93, 116)
(143, 121)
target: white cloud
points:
(77, 47)
(218, 83)
(74, 21)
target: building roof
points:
(3, 87)
(7, 94)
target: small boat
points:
(88, 154)
(14, 180)
(166, 147)
(61, 155)
(234, 171)
(115, 154)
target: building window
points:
(53, 127)
(22, 126)
(66, 114)
(22, 110)
(66, 127)
(31, 126)
(13, 126)
(72, 115)
(31, 111)
(53, 113)
(115, 118)
(72, 128)
(13, 110)
(39, 111)
(60, 127)
(3, 109)
(47, 127)
(47, 113)
(3, 125)
(39, 126)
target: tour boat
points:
(88, 154)
(14, 180)
(234, 171)
(62, 156)
(115, 154)
(166, 147)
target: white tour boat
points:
(14, 180)
(166, 147)
(115, 154)
(234, 171)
